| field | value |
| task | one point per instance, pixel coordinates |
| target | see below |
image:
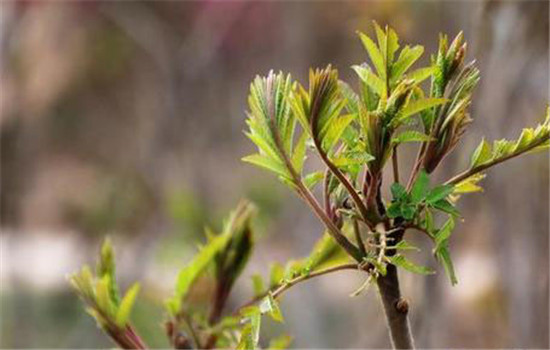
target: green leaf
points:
(446, 206)
(83, 282)
(394, 210)
(299, 155)
(312, 179)
(351, 98)
(444, 258)
(407, 58)
(368, 77)
(277, 274)
(258, 285)
(410, 136)
(401, 261)
(352, 158)
(267, 163)
(408, 211)
(103, 298)
(420, 187)
(126, 305)
(270, 306)
(279, 343)
(398, 191)
(444, 233)
(381, 38)
(482, 154)
(438, 193)
(374, 54)
(428, 221)
(392, 45)
(421, 74)
(189, 273)
(469, 184)
(325, 253)
(335, 129)
(250, 334)
(404, 245)
(106, 263)
(106, 267)
(418, 106)
(246, 341)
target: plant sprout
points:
(357, 135)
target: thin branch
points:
(395, 165)
(280, 289)
(466, 174)
(191, 330)
(307, 195)
(367, 217)
(358, 237)
(417, 166)
(418, 228)
(326, 194)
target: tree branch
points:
(280, 289)
(466, 174)
(367, 217)
(396, 309)
(395, 165)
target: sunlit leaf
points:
(401, 261)
(126, 305)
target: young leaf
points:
(420, 187)
(189, 273)
(444, 258)
(401, 261)
(312, 179)
(352, 158)
(103, 299)
(270, 306)
(407, 58)
(246, 340)
(394, 211)
(469, 184)
(267, 163)
(410, 136)
(418, 106)
(374, 54)
(374, 82)
(438, 193)
(126, 305)
(258, 285)
(445, 206)
(482, 154)
(444, 233)
(277, 274)
(299, 155)
(279, 343)
(404, 245)
(325, 252)
(421, 74)
(398, 191)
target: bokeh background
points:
(126, 118)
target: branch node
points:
(402, 305)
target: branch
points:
(416, 167)
(396, 309)
(280, 289)
(358, 237)
(466, 174)
(395, 165)
(367, 217)
(308, 197)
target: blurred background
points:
(127, 119)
